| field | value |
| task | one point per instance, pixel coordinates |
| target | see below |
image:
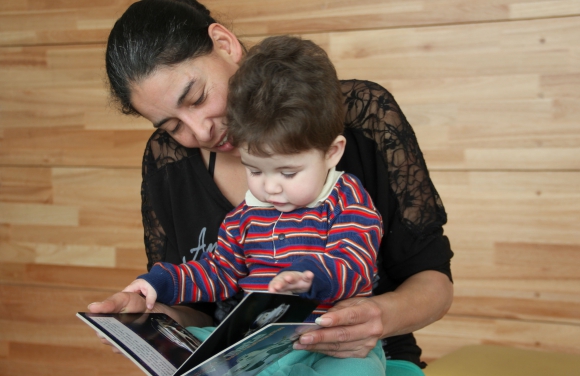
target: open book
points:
(258, 331)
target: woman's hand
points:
(352, 327)
(121, 302)
(128, 302)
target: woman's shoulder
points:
(370, 106)
(162, 150)
(361, 87)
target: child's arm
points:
(291, 282)
(141, 286)
(214, 277)
(348, 265)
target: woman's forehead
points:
(197, 69)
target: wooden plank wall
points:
(492, 89)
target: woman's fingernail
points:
(298, 346)
(323, 321)
(305, 340)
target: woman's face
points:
(188, 100)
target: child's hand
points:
(141, 286)
(295, 282)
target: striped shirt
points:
(337, 239)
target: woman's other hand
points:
(352, 327)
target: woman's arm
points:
(353, 326)
(415, 287)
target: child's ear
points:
(335, 152)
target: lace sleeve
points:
(160, 150)
(373, 109)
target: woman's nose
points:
(202, 129)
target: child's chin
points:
(286, 207)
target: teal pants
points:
(305, 363)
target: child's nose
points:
(272, 187)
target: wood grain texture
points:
(491, 88)
(478, 95)
(84, 21)
(453, 332)
(40, 320)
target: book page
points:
(137, 345)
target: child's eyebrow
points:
(248, 165)
(288, 167)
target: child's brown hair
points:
(285, 98)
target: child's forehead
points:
(280, 160)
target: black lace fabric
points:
(160, 151)
(369, 107)
(373, 109)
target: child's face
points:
(286, 181)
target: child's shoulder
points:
(349, 190)
(349, 178)
(236, 212)
(350, 183)
(350, 193)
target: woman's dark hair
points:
(151, 34)
(285, 98)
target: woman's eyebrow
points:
(180, 100)
(186, 90)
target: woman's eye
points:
(199, 100)
(176, 128)
(289, 175)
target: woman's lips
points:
(224, 144)
(223, 140)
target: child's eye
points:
(289, 175)
(255, 173)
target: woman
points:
(175, 73)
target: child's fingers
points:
(133, 287)
(150, 300)
(275, 285)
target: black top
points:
(183, 208)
